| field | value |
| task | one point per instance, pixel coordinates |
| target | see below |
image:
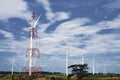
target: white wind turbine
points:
(93, 64)
(67, 53)
(93, 61)
(12, 61)
(67, 56)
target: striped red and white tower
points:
(33, 53)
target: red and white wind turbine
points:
(33, 34)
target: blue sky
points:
(91, 27)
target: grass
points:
(57, 77)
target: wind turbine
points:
(93, 68)
(12, 61)
(93, 61)
(67, 53)
(32, 34)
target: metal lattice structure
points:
(32, 53)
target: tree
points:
(80, 70)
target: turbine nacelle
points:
(34, 22)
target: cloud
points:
(49, 13)
(46, 5)
(6, 34)
(114, 23)
(62, 16)
(13, 8)
(70, 27)
(13, 46)
(25, 29)
(77, 34)
(101, 44)
(57, 16)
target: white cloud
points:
(46, 5)
(66, 32)
(62, 15)
(114, 23)
(57, 16)
(6, 34)
(70, 27)
(13, 46)
(25, 29)
(13, 8)
(50, 15)
(102, 44)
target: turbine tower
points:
(33, 52)
(67, 53)
(93, 66)
(13, 65)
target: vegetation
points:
(57, 76)
(18, 77)
(80, 70)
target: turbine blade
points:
(36, 21)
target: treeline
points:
(43, 72)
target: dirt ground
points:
(40, 79)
